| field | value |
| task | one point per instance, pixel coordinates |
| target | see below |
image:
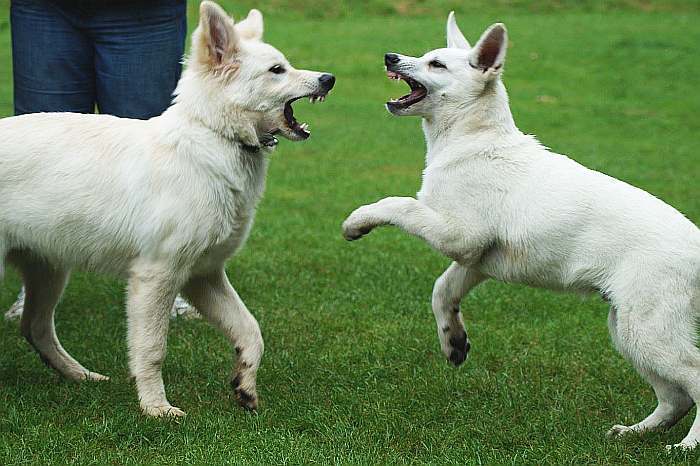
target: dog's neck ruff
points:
(235, 125)
(487, 118)
(237, 136)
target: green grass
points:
(353, 371)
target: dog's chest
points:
(233, 211)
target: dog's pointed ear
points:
(252, 27)
(489, 53)
(455, 38)
(216, 40)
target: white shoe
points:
(15, 311)
(182, 308)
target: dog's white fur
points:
(163, 202)
(502, 206)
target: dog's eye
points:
(277, 69)
(437, 64)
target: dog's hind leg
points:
(44, 286)
(660, 343)
(448, 292)
(673, 404)
(216, 299)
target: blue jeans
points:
(122, 57)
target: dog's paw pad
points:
(459, 348)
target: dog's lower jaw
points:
(267, 142)
(396, 111)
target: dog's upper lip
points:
(321, 95)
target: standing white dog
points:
(502, 206)
(164, 202)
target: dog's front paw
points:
(360, 223)
(351, 231)
(162, 411)
(619, 431)
(683, 446)
(456, 346)
(247, 398)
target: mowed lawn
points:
(353, 371)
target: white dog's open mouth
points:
(418, 92)
(300, 130)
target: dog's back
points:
(68, 180)
(563, 226)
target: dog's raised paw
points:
(246, 400)
(163, 411)
(351, 234)
(460, 349)
(352, 229)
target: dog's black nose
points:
(327, 81)
(391, 59)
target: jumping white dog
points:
(502, 206)
(163, 202)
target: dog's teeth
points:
(322, 98)
(311, 99)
